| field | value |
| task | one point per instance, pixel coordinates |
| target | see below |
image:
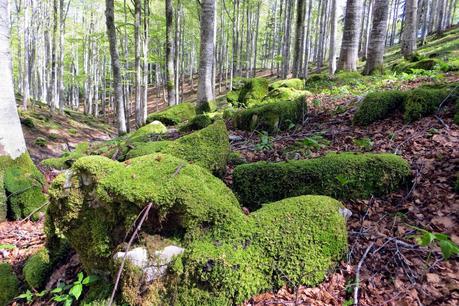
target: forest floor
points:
(393, 269)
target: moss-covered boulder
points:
(343, 176)
(283, 94)
(422, 64)
(36, 269)
(66, 160)
(378, 105)
(9, 284)
(208, 147)
(297, 84)
(197, 123)
(271, 117)
(95, 203)
(251, 92)
(146, 131)
(22, 186)
(174, 115)
(422, 102)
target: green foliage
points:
(290, 83)
(27, 121)
(23, 186)
(365, 144)
(197, 123)
(174, 115)
(271, 117)
(41, 142)
(9, 284)
(378, 105)
(36, 269)
(447, 246)
(265, 142)
(366, 174)
(308, 145)
(66, 160)
(208, 147)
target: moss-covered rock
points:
(197, 123)
(290, 83)
(37, 269)
(143, 133)
(422, 102)
(272, 116)
(247, 92)
(66, 160)
(378, 105)
(207, 107)
(23, 185)
(422, 64)
(174, 115)
(208, 147)
(344, 176)
(9, 284)
(283, 94)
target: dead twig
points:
(357, 274)
(34, 211)
(120, 270)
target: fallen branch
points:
(120, 270)
(357, 274)
(34, 212)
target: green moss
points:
(27, 121)
(271, 117)
(95, 217)
(66, 160)
(174, 115)
(283, 94)
(232, 97)
(37, 269)
(9, 284)
(208, 147)
(422, 102)
(423, 64)
(344, 176)
(207, 107)
(22, 184)
(146, 131)
(40, 141)
(253, 91)
(197, 123)
(3, 200)
(290, 83)
(378, 105)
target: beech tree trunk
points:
(377, 37)
(170, 76)
(111, 34)
(408, 44)
(299, 34)
(206, 55)
(12, 143)
(138, 71)
(351, 34)
(332, 51)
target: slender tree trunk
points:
(26, 80)
(332, 51)
(286, 47)
(408, 45)
(307, 42)
(351, 34)
(377, 37)
(111, 33)
(170, 76)
(298, 48)
(206, 56)
(138, 71)
(12, 143)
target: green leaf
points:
(426, 239)
(90, 279)
(7, 246)
(41, 294)
(68, 301)
(448, 248)
(76, 291)
(60, 298)
(57, 290)
(80, 276)
(441, 237)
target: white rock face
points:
(152, 268)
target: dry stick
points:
(357, 274)
(120, 270)
(34, 211)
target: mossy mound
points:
(343, 176)
(37, 269)
(422, 64)
(297, 84)
(208, 147)
(283, 94)
(422, 102)
(252, 91)
(66, 160)
(207, 107)
(378, 105)
(271, 117)
(96, 203)
(197, 123)
(174, 115)
(22, 185)
(143, 133)
(9, 284)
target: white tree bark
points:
(351, 35)
(410, 29)
(332, 51)
(377, 37)
(12, 142)
(206, 56)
